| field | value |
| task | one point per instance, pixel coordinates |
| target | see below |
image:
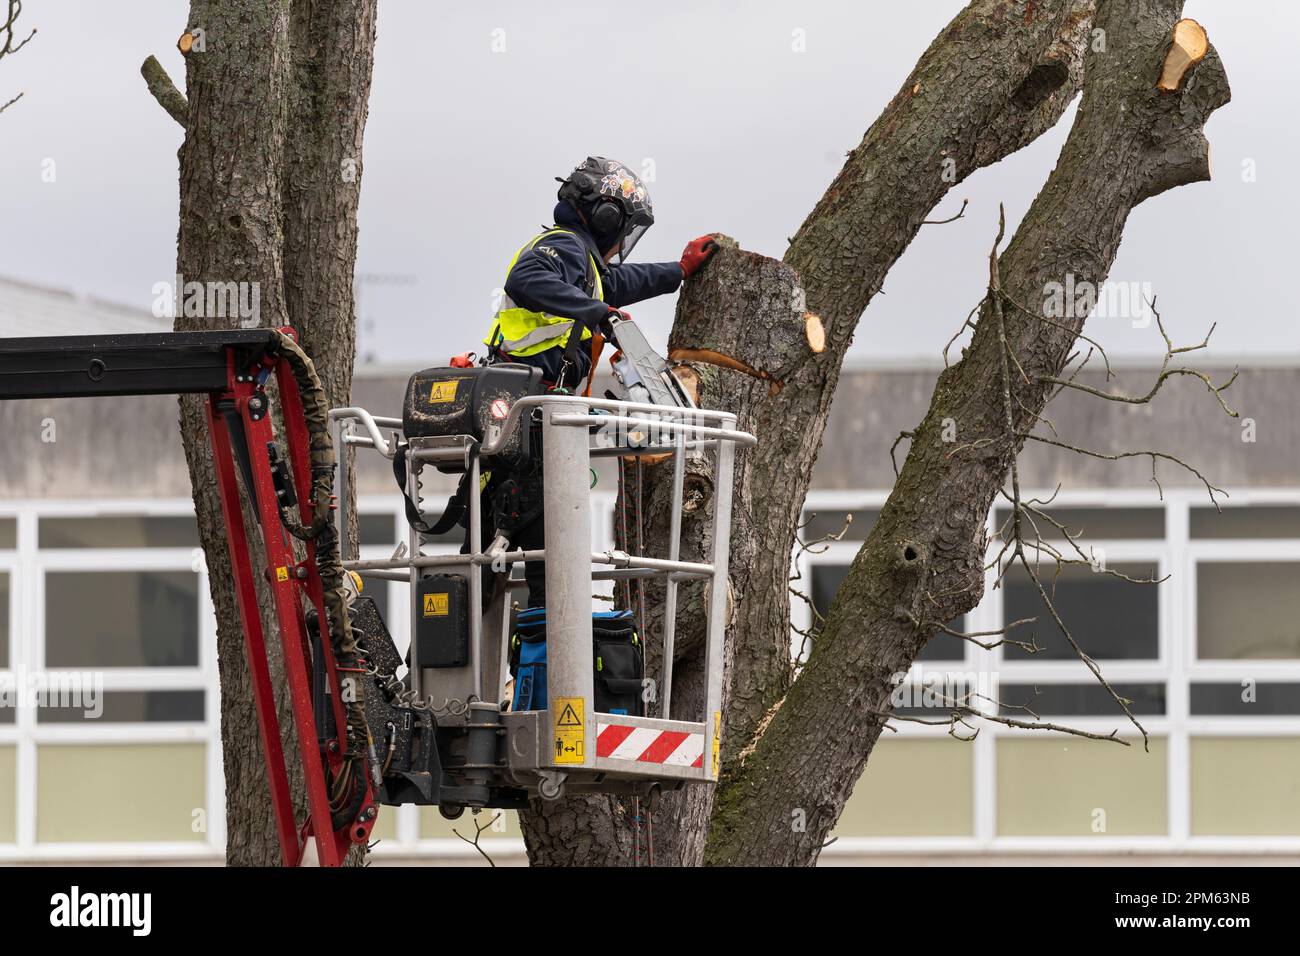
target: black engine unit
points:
(467, 401)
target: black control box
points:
(442, 621)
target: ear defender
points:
(606, 219)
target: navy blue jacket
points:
(552, 277)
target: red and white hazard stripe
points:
(650, 745)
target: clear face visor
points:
(628, 242)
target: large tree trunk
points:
(230, 231)
(995, 79)
(924, 557)
(276, 104)
(332, 43)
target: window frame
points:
(28, 565)
(1176, 667)
(1235, 551)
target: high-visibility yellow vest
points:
(520, 331)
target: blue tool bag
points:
(618, 662)
(528, 659)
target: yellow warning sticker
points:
(282, 574)
(443, 392)
(435, 605)
(717, 741)
(570, 729)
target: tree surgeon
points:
(561, 289)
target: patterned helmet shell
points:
(599, 182)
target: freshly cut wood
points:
(710, 357)
(774, 334)
(185, 44)
(814, 332)
(690, 380)
(1189, 45)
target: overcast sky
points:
(744, 132)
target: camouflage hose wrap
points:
(324, 533)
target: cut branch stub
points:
(1188, 47)
(164, 90)
(750, 317)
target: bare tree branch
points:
(1163, 376)
(1211, 488)
(940, 222)
(478, 832)
(164, 90)
(1030, 646)
(960, 714)
(8, 46)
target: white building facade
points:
(103, 586)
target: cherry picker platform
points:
(444, 731)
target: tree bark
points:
(277, 100)
(925, 555)
(332, 44)
(230, 231)
(995, 79)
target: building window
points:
(1110, 618)
(1254, 521)
(1080, 700)
(4, 619)
(1245, 602)
(914, 787)
(1247, 610)
(849, 525)
(826, 581)
(1090, 524)
(1246, 699)
(121, 619)
(1077, 787)
(132, 707)
(1245, 786)
(1231, 777)
(377, 529)
(119, 531)
(500, 824)
(8, 792)
(142, 792)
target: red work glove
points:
(696, 254)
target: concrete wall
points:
(129, 447)
(872, 407)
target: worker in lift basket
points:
(577, 272)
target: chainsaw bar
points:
(645, 374)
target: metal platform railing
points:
(574, 430)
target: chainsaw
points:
(642, 374)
